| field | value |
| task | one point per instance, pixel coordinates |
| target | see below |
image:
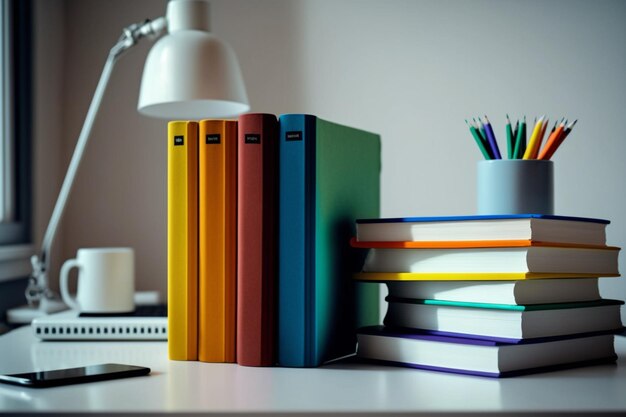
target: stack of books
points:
(490, 295)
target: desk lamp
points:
(189, 74)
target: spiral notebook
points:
(147, 322)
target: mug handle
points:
(65, 294)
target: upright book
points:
(218, 240)
(329, 177)
(257, 239)
(182, 240)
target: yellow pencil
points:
(533, 144)
(544, 127)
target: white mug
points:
(106, 280)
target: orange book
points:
(218, 240)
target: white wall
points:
(409, 70)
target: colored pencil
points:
(558, 140)
(548, 148)
(491, 138)
(480, 127)
(479, 141)
(542, 132)
(520, 140)
(532, 148)
(510, 144)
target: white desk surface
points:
(195, 387)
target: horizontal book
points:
(461, 244)
(529, 227)
(465, 276)
(542, 291)
(505, 322)
(482, 357)
(537, 259)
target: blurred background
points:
(411, 71)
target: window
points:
(15, 139)
(7, 163)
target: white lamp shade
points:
(191, 74)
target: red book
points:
(257, 239)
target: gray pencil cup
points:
(515, 186)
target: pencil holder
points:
(515, 186)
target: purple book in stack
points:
(483, 356)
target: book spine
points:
(256, 234)
(296, 286)
(218, 225)
(182, 240)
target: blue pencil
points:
(491, 138)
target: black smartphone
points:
(69, 376)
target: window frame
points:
(16, 234)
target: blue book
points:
(329, 177)
(512, 228)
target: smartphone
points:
(69, 376)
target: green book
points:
(329, 177)
(515, 307)
(514, 322)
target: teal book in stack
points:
(490, 295)
(329, 177)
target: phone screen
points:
(74, 375)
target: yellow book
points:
(494, 263)
(218, 240)
(466, 276)
(182, 240)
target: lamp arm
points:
(38, 283)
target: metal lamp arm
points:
(38, 284)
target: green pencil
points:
(481, 128)
(510, 148)
(520, 140)
(479, 140)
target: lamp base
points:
(25, 314)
